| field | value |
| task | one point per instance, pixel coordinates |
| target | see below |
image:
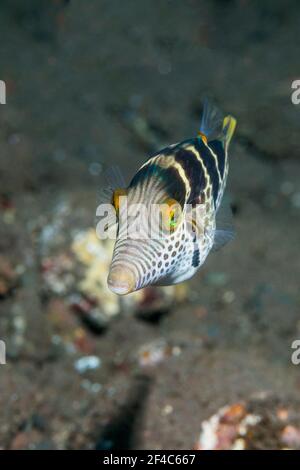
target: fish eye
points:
(117, 194)
(171, 215)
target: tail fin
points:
(214, 125)
(229, 125)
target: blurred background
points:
(100, 82)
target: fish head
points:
(153, 243)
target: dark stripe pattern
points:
(210, 164)
(196, 258)
(193, 171)
(144, 173)
(169, 177)
(218, 148)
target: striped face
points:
(192, 174)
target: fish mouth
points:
(121, 281)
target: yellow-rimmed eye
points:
(171, 215)
(117, 194)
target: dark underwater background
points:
(101, 82)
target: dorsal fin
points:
(214, 126)
(211, 122)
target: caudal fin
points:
(229, 125)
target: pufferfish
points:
(192, 174)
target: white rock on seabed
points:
(86, 363)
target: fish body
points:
(188, 180)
